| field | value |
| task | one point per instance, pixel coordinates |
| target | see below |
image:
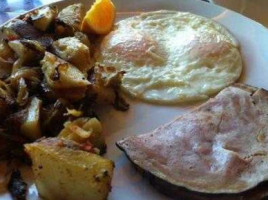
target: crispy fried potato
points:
(63, 78)
(74, 51)
(19, 29)
(85, 129)
(61, 74)
(69, 20)
(6, 52)
(31, 126)
(64, 172)
(44, 17)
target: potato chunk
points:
(6, 52)
(106, 82)
(31, 126)
(7, 57)
(74, 51)
(64, 172)
(44, 17)
(84, 130)
(83, 38)
(61, 74)
(63, 78)
(28, 51)
(69, 20)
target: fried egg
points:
(171, 57)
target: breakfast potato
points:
(83, 38)
(6, 52)
(32, 76)
(6, 93)
(74, 51)
(63, 78)
(10, 29)
(29, 52)
(31, 126)
(83, 130)
(43, 18)
(6, 68)
(7, 57)
(64, 172)
(49, 87)
(69, 20)
(23, 93)
(61, 74)
(106, 83)
(19, 29)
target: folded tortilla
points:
(219, 147)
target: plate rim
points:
(197, 1)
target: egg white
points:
(171, 57)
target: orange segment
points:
(100, 17)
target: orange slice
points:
(100, 17)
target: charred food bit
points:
(6, 53)
(7, 57)
(6, 93)
(63, 78)
(43, 18)
(83, 38)
(31, 75)
(120, 103)
(69, 20)
(16, 186)
(28, 51)
(11, 147)
(14, 120)
(19, 29)
(52, 114)
(5, 69)
(105, 87)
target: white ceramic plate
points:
(127, 183)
